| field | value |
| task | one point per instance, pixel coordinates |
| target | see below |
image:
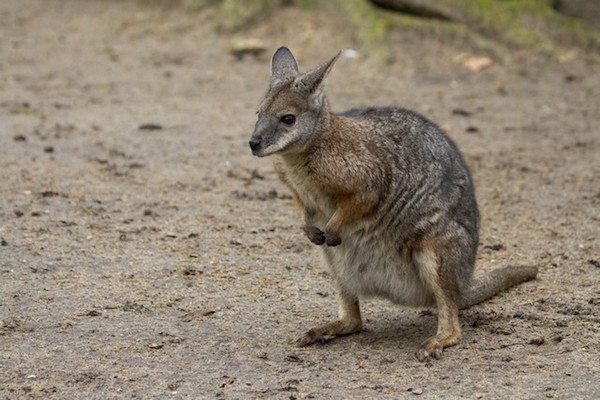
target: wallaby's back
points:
(426, 177)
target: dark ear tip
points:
(282, 49)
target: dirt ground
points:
(146, 254)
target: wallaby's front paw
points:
(332, 238)
(314, 234)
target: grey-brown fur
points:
(385, 193)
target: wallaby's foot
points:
(433, 347)
(314, 234)
(329, 331)
(448, 335)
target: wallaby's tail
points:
(489, 285)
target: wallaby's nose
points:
(254, 144)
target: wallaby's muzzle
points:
(261, 141)
(255, 145)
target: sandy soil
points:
(146, 254)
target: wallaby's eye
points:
(288, 119)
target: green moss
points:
(515, 23)
(452, 31)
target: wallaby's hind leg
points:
(349, 322)
(448, 331)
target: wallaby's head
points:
(292, 108)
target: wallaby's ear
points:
(310, 82)
(283, 66)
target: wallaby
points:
(389, 196)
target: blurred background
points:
(145, 253)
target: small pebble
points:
(150, 127)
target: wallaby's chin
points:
(260, 153)
(259, 149)
(267, 151)
(276, 148)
